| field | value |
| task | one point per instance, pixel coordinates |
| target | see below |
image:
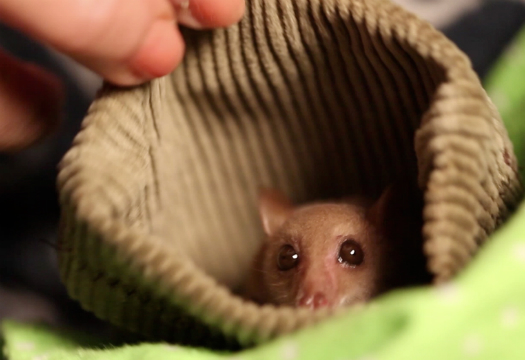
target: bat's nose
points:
(313, 301)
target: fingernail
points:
(184, 14)
(183, 4)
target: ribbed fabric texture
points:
(319, 98)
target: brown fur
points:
(388, 232)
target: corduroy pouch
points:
(316, 97)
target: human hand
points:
(127, 42)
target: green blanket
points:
(506, 87)
(481, 315)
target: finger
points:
(108, 36)
(30, 103)
(209, 13)
(125, 41)
(159, 53)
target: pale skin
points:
(127, 42)
(333, 254)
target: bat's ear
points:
(378, 212)
(274, 209)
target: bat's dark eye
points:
(351, 253)
(287, 258)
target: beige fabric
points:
(316, 97)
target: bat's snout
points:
(313, 301)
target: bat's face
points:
(341, 253)
(324, 255)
